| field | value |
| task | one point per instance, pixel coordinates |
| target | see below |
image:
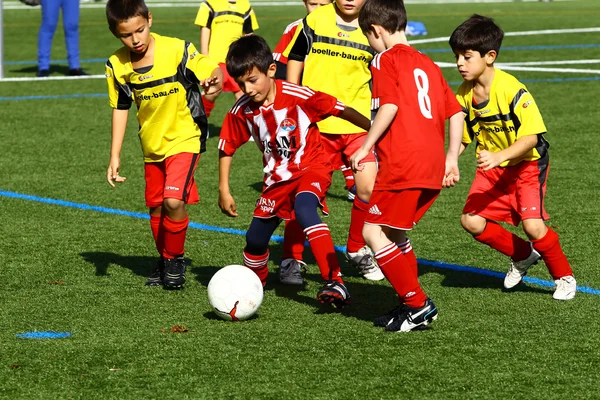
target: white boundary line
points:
(523, 33)
(52, 78)
(520, 67)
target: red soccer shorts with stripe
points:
(278, 199)
(400, 209)
(510, 194)
(172, 178)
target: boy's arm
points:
(119, 124)
(226, 201)
(488, 160)
(383, 119)
(294, 71)
(455, 148)
(204, 40)
(213, 86)
(356, 118)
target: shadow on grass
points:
(54, 68)
(139, 265)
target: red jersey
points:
(411, 152)
(285, 131)
(286, 38)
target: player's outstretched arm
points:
(213, 85)
(226, 201)
(382, 121)
(455, 130)
(356, 118)
(119, 124)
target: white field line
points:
(519, 67)
(524, 33)
(52, 78)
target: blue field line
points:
(455, 83)
(278, 239)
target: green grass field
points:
(69, 264)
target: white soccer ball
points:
(235, 292)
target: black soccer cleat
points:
(384, 320)
(413, 318)
(334, 293)
(157, 275)
(174, 277)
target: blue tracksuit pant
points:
(70, 13)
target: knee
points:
(256, 243)
(364, 193)
(473, 224)
(71, 28)
(534, 229)
(370, 233)
(173, 205)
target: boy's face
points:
(471, 64)
(349, 7)
(312, 5)
(256, 84)
(135, 33)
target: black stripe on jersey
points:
(343, 43)
(189, 177)
(237, 14)
(542, 165)
(513, 105)
(125, 96)
(247, 27)
(189, 81)
(303, 43)
(211, 15)
(158, 82)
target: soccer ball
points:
(235, 292)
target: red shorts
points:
(172, 178)
(510, 194)
(400, 209)
(278, 199)
(340, 148)
(229, 84)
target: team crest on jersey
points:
(527, 104)
(342, 34)
(193, 55)
(288, 125)
(144, 77)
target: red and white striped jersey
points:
(286, 38)
(284, 131)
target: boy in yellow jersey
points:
(161, 75)
(503, 119)
(221, 23)
(332, 55)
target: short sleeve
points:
(250, 22)
(205, 15)
(298, 47)
(321, 105)
(234, 133)
(199, 64)
(528, 115)
(466, 139)
(119, 93)
(385, 83)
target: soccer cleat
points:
(334, 293)
(409, 318)
(157, 275)
(364, 261)
(518, 269)
(384, 320)
(77, 72)
(291, 272)
(174, 277)
(565, 288)
(43, 73)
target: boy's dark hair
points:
(389, 14)
(122, 10)
(478, 33)
(246, 53)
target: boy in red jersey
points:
(161, 75)
(414, 102)
(281, 118)
(512, 159)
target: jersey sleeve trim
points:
(124, 99)
(303, 43)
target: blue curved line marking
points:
(44, 335)
(276, 238)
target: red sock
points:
(322, 248)
(507, 243)
(175, 232)
(258, 264)
(293, 240)
(208, 106)
(398, 271)
(408, 252)
(348, 176)
(552, 254)
(357, 221)
(157, 233)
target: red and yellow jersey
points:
(227, 21)
(411, 152)
(336, 61)
(170, 112)
(285, 131)
(508, 114)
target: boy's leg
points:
(349, 181)
(293, 246)
(50, 12)
(256, 252)
(71, 28)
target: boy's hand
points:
(227, 205)
(112, 174)
(451, 176)
(488, 160)
(357, 158)
(211, 85)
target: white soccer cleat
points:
(565, 288)
(366, 264)
(291, 272)
(518, 269)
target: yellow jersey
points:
(227, 21)
(170, 112)
(336, 61)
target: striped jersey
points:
(286, 38)
(170, 112)
(284, 131)
(336, 61)
(508, 114)
(227, 21)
